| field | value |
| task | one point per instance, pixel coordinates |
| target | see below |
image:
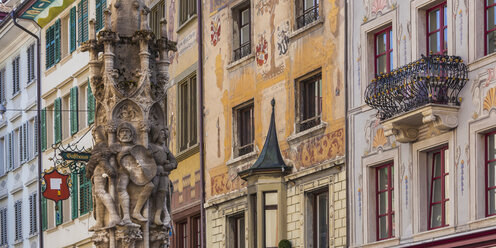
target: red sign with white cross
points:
(56, 186)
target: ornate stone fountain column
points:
(130, 161)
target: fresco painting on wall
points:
(283, 38)
(215, 30)
(262, 51)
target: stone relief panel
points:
(483, 90)
(374, 8)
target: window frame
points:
(390, 213)
(486, 32)
(304, 12)
(239, 128)
(310, 78)
(185, 13)
(186, 115)
(242, 50)
(266, 207)
(442, 150)
(442, 27)
(389, 48)
(234, 230)
(312, 234)
(486, 168)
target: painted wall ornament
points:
(215, 27)
(283, 38)
(130, 161)
(262, 51)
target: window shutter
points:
(74, 110)
(2, 85)
(58, 120)
(18, 220)
(90, 105)
(26, 141)
(10, 152)
(19, 144)
(33, 218)
(85, 199)
(43, 130)
(59, 213)
(85, 20)
(3, 216)
(35, 138)
(28, 53)
(74, 195)
(73, 29)
(57, 41)
(47, 48)
(80, 22)
(100, 6)
(44, 213)
(14, 88)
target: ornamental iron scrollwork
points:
(433, 79)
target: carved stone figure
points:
(166, 162)
(136, 165)
(102, 170)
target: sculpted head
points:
(99, 134)
(159, 134)
(126, 133)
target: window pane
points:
(245, 35)
(445, 46)
(436, 190)
(491, 171)
(381, 43)
(434, 20)
(381, 64)
(491, 202)
(383, 202)
(445, 15)
(394, 226)
(437, 165)
(383, 227)
(434, 42)
(383, 178)
(308, 4)
(245, 17)
(491, 18)
(490, 2)
(322, 218)
(271, 228)
(491, 147)
(491, 47)
(271, 198)
(240, 225)
(436, 215)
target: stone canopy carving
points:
(130, 162)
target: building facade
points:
(422, 120)
(18, 147)
(289, 52)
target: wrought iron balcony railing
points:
(434, 79)
(242, 51)
(310, 15)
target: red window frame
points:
(390, 212)
(487, 161)
(388, 51)
(444, 199)
(486, 32)
(442, 27)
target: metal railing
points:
(242, 51)
(310, 15)
(433, 79)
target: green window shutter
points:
(59, 213)
(74, 195)
(90, 105)
(100, 7)
(74, 110)
(47, 47)
(85, 199)
(73, 42)
(44, 213)
(58, 120)
(85, 20)
(43, 130)
(82, 21)
(57, 41)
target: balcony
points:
(420, 98)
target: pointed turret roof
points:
(270, 160)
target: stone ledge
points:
(297, 137)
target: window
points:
(72, 27)
(244, 129)
(85, 198)
(10, 151)
(64, 37)
(310, 101)
(33, 123)
(3, 226)
(187, 113)
(182, 235)
(385, 201)
(270, 220)
(101, 5)
(236, 225)
(384, 51)
(491, 173)
(490, 26)
(18, 220)
(187, 8)
(16, 140)
(33, 215)
(57, 120)
(438, 207)
(317, 219)
(44, 129)
(52, 52)
(82, 12)
(307, 11)
(15, 75)
(242, 31)
(437, 29)
(2, 85)
(30, 55)
(23, 143)
(59, 213)
(2, 156)
(90, 105)
(156, 14)
(196, 232)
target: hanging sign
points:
(76, 156)
(56, 186)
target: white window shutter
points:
(10, 152)
(26, 143)
(35, 131)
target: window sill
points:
(383, 243)
(188, 152)
(66, 58)
(306, 29)
(50, 70)
(482, 222)
(300, 136)
(15, 95)
(242, 159)
(240, 62)
(3, 123)
(182, 26)
(481, 62)
(32, 82)
(15, 116)
(429, 234)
